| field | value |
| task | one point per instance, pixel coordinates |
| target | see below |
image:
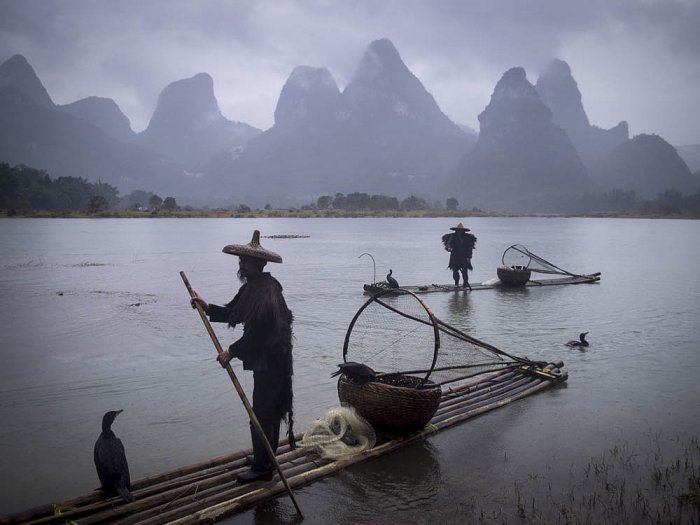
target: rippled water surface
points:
(94, 317)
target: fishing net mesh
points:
(519, 256)
(338, 434)
(395, 333)
(392, 333)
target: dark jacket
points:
(460, 248)
(266, 343)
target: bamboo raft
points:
(208, 491)
(430, 288)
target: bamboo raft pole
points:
(208, 490)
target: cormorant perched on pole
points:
(581, 342)
(110, 460)
(393, 283)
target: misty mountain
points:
(691, 155)
(398, 126)
(188, 126)
(298, 155)
(16, 73)
(646, 164)
(39, 134)
(104, 114)
(383, 134)
(521, 154)
(559, 91)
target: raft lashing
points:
(518, 265)
(398, 336)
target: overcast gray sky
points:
(634, 60)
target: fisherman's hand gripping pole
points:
(241, 393)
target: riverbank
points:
(327, 214)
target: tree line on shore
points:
(30, 189)
(26, 189)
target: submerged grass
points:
(619, 486)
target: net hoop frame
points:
(395, 291)
(518, 248)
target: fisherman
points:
(460, 244)
(265, 348)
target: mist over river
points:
(94, 317)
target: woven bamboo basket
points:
(397, 410)
(513, 275)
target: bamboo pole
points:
(483, 387)
(242, 395)
(221, 494)
(524, 385)
(457, 396)
(483, 393)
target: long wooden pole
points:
(244, 398)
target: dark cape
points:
(266, 343)
(460, 248)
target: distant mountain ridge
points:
(188, 126)
(16, 73)
(559, 91)
(37, 133)
(520, 154)
(690, 153)
(104, 114)
(383, 134)
(647, 165)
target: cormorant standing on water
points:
(110, 460)
(581, 342)
(393, 283)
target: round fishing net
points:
(518, 256)
(338, 434)
(394, 331)
(396, 334)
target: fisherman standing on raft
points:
(265, 348)
(460, 244)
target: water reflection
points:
(393, 485)
(459, 310)
(278, 512)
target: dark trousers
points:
(267, 405)
(465, 275)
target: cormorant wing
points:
(110, 462)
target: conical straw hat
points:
(252, 249)
(460, 227)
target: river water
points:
(95, 317)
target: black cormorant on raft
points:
(393, 283)
(110, 460)
(356, 371)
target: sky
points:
(633, 60)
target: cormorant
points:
(110, 460)
(356, 371)
(581, 342)
(393, 283)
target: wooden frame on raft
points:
(208, 490)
